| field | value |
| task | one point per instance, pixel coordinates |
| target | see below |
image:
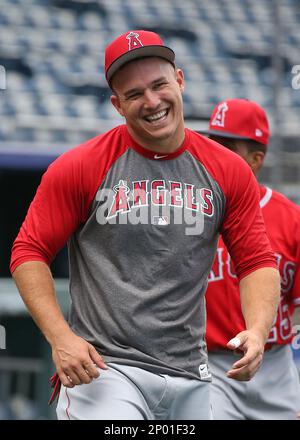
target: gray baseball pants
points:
(130, 393)
(272, 394)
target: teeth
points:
(157, 116)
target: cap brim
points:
(141, 52)
(223, 134)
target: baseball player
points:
(274, 392)
(141, 207)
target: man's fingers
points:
(234, 343)
(243, 362)
(91, 370)
(65, 380)
(77, 362)
(96, 358)
(73, 377)
(83, 372)
(251, 346)
(241, 374)
(244, 371)
(248, 359)
(79, 376)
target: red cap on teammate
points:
(239, 119)
(133, 45)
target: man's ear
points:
(115, 100)
(180, 79)
(256, 161)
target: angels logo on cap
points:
(133, 40)
(219, 118)
(239, 119)
(133, 45)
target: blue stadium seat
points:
(58, 47)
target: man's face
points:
(148, 93)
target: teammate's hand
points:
(251, 345)
(76, 360)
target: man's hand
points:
(76, 360)
(252, 346)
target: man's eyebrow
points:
(132, 91)
(162, 78)
(138, 89)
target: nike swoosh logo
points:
(157, 156)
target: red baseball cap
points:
(133, 45)
(239, 119)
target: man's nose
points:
(152, 99)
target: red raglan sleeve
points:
(243, 228)
(55, 212)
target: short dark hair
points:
(253, 145)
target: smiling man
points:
(142, 207)
(148, 93)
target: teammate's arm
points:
(260, 294)
(75, 359)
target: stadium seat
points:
(53, 53)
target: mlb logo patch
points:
(160, 221)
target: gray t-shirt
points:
(143, 229)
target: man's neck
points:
(166, 146)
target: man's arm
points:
(260, 295)
(75, 359)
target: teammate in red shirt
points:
(141, 207)
(274, 392)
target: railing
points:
(20, 388)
